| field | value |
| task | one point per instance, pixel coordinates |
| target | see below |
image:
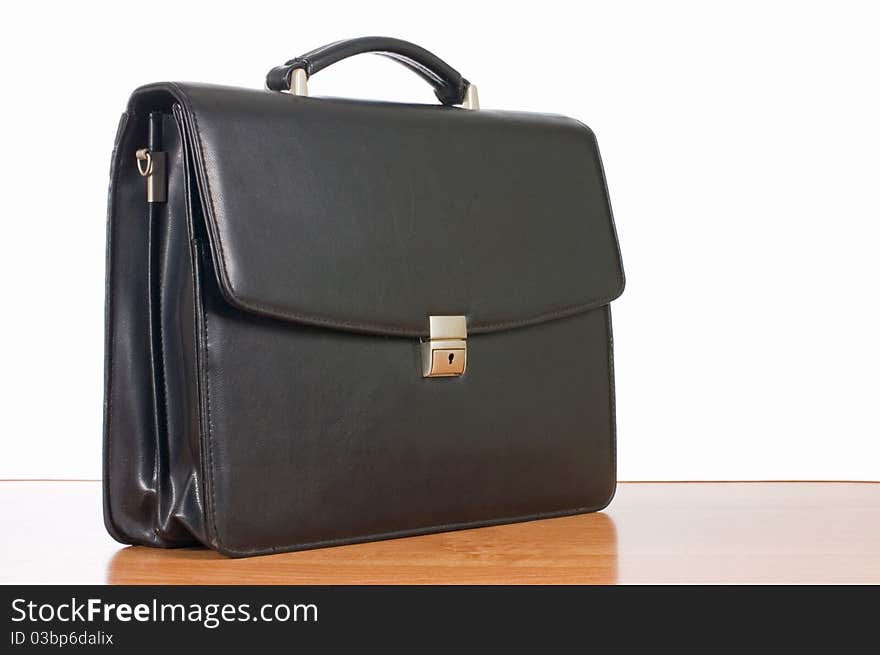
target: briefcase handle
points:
(449, 86)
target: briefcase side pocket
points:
(150, 472)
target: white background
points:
(742, 149)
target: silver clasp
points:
(444, 354)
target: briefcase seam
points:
(612, 402)
(163, 253)
(153, 225)
(474, 328)
(210, 424)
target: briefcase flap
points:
(373, 216)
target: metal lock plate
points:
(447, 361)
(445, 353)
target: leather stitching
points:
(612, 402)
(473, 328)
(210, 424)
(164, 397)
(153, 224)
(164, 257)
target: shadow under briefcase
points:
(332, 321)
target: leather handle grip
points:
(449, 86)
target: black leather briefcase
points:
(332, 321)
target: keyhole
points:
(451, 357)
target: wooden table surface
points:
(699, 532)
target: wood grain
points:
(652, 533)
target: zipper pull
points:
(151, 165)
